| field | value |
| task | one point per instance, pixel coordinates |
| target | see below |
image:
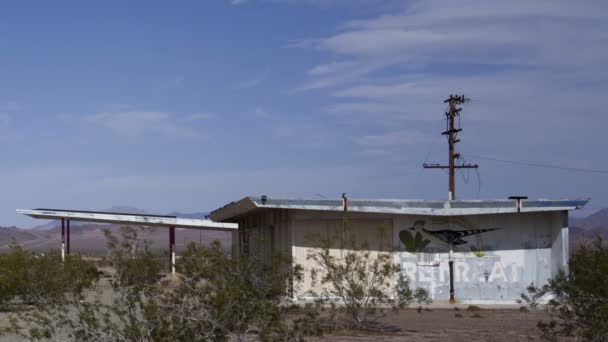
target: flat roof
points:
(397, 206)
(125, 218)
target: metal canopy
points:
(123, 218)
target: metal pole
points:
(62, 239)
(68, 236)
(172, 248)
(451, 263)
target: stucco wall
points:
(523, 249)
(375, 230)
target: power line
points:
(548, 166)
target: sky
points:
(189, 105)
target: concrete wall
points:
(524, 249)
(308, 226)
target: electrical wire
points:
(549, 166)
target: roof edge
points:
(233, 209)
(399, 206)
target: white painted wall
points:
(376, 231)
(527, 248)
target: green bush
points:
(216, 298)
(131, 258)
(579, 304)
(358, 282)
(241, 296)
(40, 278)
(13, 275)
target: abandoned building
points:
(492, 249)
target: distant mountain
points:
(14, 234)
(55, 224)
(201, 216)
(586, 229)
(596, 220)
(89, 238)
(126, 210)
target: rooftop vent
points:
(518, 199)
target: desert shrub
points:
(405, 296)
(533, 295)
(216, 298)
(358, 282)
(12, 274)
(130, 256)
(48, 279)
(39, 278)
(242, 295)
(579, 304)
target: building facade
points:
(497, 248)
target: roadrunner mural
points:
(417, 238)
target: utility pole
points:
(452, 134)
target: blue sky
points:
(188, 105)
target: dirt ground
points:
(445, 325)
(435, 325)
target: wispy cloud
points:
(10, 106)
(395, 138)
(432, 48)
(262, 113)
(382, 91)
(519, 60)
(391, 142)
(202, 116)
(337, 3)
(176, 82)
(131, 122)
(238, 2)
(252, 82)
(5, 119)
(492, 32)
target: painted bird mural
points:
(416, 238)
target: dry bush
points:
(358, 282)
(216, 298)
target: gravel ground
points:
(450, 325)
(442, 323)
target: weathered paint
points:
(525, 249)
(376, 232)
(512, 251)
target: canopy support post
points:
(172, 248)
(68, 237)
(62, 239)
